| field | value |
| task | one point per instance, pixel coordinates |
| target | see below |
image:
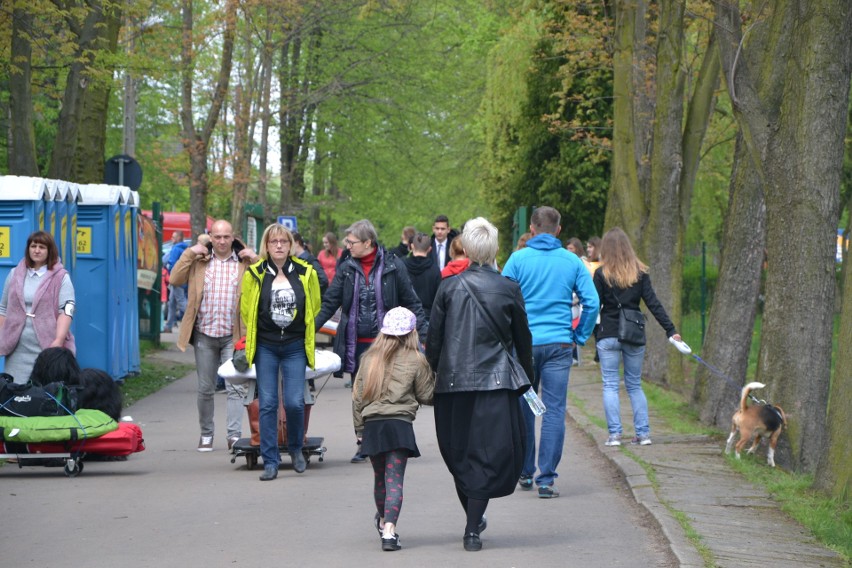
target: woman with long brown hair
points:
(36, 307)
(622, 281)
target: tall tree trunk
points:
(799, 149)
(88, 162)
(734, 310)
(288, 121)
(196, 141)
(265, 113)
(87, 33)
(22, 152)
(655, 157)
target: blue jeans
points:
(290, 360)
(612, 352)
(552, 364)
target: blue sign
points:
(289, 222)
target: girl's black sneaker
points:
(389, 544)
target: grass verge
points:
(154, 375)
(828, 519)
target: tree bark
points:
(196, 141)
(86, 33)
(799, 148)
(22, 152)
(732, 316)
(88, 161)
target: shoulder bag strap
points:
(492, 326)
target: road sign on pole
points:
(289, 221)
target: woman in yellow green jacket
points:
(280, 299)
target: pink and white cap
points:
(399, 321)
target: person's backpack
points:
(53, 399)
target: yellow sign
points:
(5, 244)
(84, 240)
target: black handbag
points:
(631, 325)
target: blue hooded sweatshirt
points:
(549, 276)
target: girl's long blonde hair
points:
(379, 357)
(621, 267)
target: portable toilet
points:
(50, 211)
(132, 248)
(22, 211)
(60, 230)
(73, 198)
(98, 280)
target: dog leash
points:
(686, 350)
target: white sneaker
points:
(205, 444)
(613, 440)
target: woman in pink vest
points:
(36, 307)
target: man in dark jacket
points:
(366, 286)
(424, 273)
(442, 238)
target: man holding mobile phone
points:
(214, 273)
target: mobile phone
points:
(209, 248)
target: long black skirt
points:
(481, 437)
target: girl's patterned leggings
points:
(389, 472)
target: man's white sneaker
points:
(613, 440)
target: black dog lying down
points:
(95, 388)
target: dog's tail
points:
(746, 390)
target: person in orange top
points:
(329, 255)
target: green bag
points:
(85, 423)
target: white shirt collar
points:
(37, 272)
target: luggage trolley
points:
(326, 363)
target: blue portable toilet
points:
(60, 231)
(22, 212)
(132, 255)
(97, 279)
(73, 198)
(50, 211)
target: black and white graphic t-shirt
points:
(282, 303)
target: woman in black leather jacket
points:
(478, 418)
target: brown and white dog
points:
(755, 422)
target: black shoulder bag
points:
(520, 381)
(631, 324)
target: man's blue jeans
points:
(552, 364)
(290, 359)
(612, 352)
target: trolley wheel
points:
(307, 455)
(251, 461)
(73, 468)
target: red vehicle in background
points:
(176, 221)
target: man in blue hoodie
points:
(549, 275)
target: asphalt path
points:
(173, 506)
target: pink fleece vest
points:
(44, 307)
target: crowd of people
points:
(431, 321)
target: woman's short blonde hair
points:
(480, 241)
(274, 230)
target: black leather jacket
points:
(461, 348)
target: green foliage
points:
(542, 111)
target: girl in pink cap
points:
(393, 380)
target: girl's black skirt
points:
(387, 434)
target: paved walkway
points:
(173, 506)
(737, 523)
